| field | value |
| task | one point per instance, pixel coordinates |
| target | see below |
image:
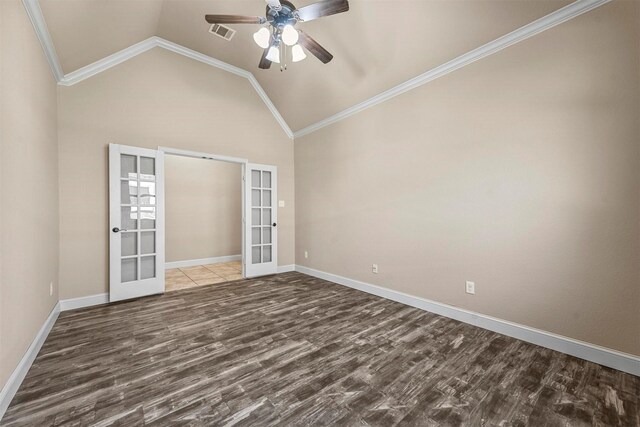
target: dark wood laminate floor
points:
(294, 350)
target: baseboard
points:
(286, 268)
(13, 383)
(202, 261)
(91, 300)
(583, 350)
(88, 301)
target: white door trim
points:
(201, 155)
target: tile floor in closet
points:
(209, 274)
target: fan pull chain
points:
(283, 58)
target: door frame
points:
(237, 160)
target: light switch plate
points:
(281, 203)
(470, 288)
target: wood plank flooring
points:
(295, 350)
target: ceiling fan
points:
(281, 19)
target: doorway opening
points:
(203, 220)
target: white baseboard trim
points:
(202, 261)
(583, 350)
(98, 299)
(81, 302)
(13, 383)
(286, 268)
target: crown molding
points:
(107, 62)
(152, 42)
(555, 18)
(42, 32)
(189, 53)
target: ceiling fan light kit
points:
(274, 54)
(262, 37)
(282, 17)
(289, 35)
(297, 53)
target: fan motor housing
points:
(284, 16)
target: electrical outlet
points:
(281, 203)
(51, 289)
(470, 288)
(374, 268)
(306, 254)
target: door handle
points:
(117, 230)
(274, 224)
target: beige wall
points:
(28, 187)
(155, 99)
(203, 208)
(520, 172)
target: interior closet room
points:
(203, 231)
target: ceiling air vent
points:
(222, 31)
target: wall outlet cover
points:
(374, 268)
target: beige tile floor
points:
(189, 277)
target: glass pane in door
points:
(128, 192)
(128, 166)
(147, 168)
(255, 179)
(129, 217)
(255, 235)
(266, 216)
(147, 242)
(266, 179)
(129, 270)
(148, 267)
(147, 217)
(255, 254)
(255, 197)
(129, 243)
(266, 253)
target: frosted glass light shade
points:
(297, 53)
(289, 35)
(261, 37)
(274, 55)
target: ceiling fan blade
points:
(265, 64)
(314, 48)
(322, 8)
(234, 19)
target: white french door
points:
(136, 222)
(261, 215)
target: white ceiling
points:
(376, 45)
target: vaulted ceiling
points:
(376, 45)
